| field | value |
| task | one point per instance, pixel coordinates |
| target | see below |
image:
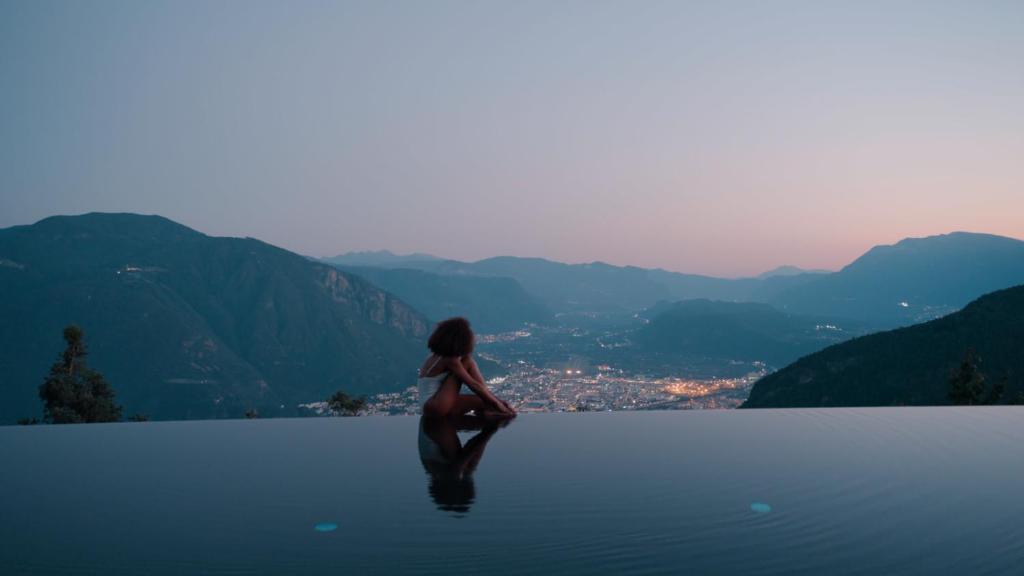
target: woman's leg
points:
(448, 402)
(466, 402)
(486, 409)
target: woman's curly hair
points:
(452, 338)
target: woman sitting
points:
(449, 366)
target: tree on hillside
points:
(967, 384)
(74, 393)
(343, 404)
(995, 393)
(1017, 400)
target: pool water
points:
(835, 491)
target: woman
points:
(449, 366)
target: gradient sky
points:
(720, 137)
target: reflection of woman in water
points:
(449, 463)
(449, 366)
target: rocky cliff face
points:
(377, 306)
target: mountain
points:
(914, 280)
(594, 287)
(492, 303)
(381, 258)
(907, 366)
(736, 331)
(600, 288)
(789, 271)
(186, 325)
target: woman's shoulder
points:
(434, 365)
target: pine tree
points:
(74, 393)
(995, 393)
(967, 383)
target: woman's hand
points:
(506, 408)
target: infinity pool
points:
(871, 491)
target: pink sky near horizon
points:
(706, 137)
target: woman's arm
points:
(475, 371)
(470, 363)
(475, 384)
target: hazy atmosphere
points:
(722, 138)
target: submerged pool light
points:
(325, 527)
(760, 507)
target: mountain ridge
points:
(378, 258)
(746, 331)
(492, 303)
(187, 325)
(909, 365)
(914, 280)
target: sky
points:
(719, 137)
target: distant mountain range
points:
(492, 303)
(186, 325)
(912, 281)
(907, 366)
(381, 258)
(599, 288)
(790, 271)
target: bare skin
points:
(448, 402)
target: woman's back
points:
(431, 375)
(432, 367)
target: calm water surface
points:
(866, 491)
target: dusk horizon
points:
(690, 137)
(783, 263)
